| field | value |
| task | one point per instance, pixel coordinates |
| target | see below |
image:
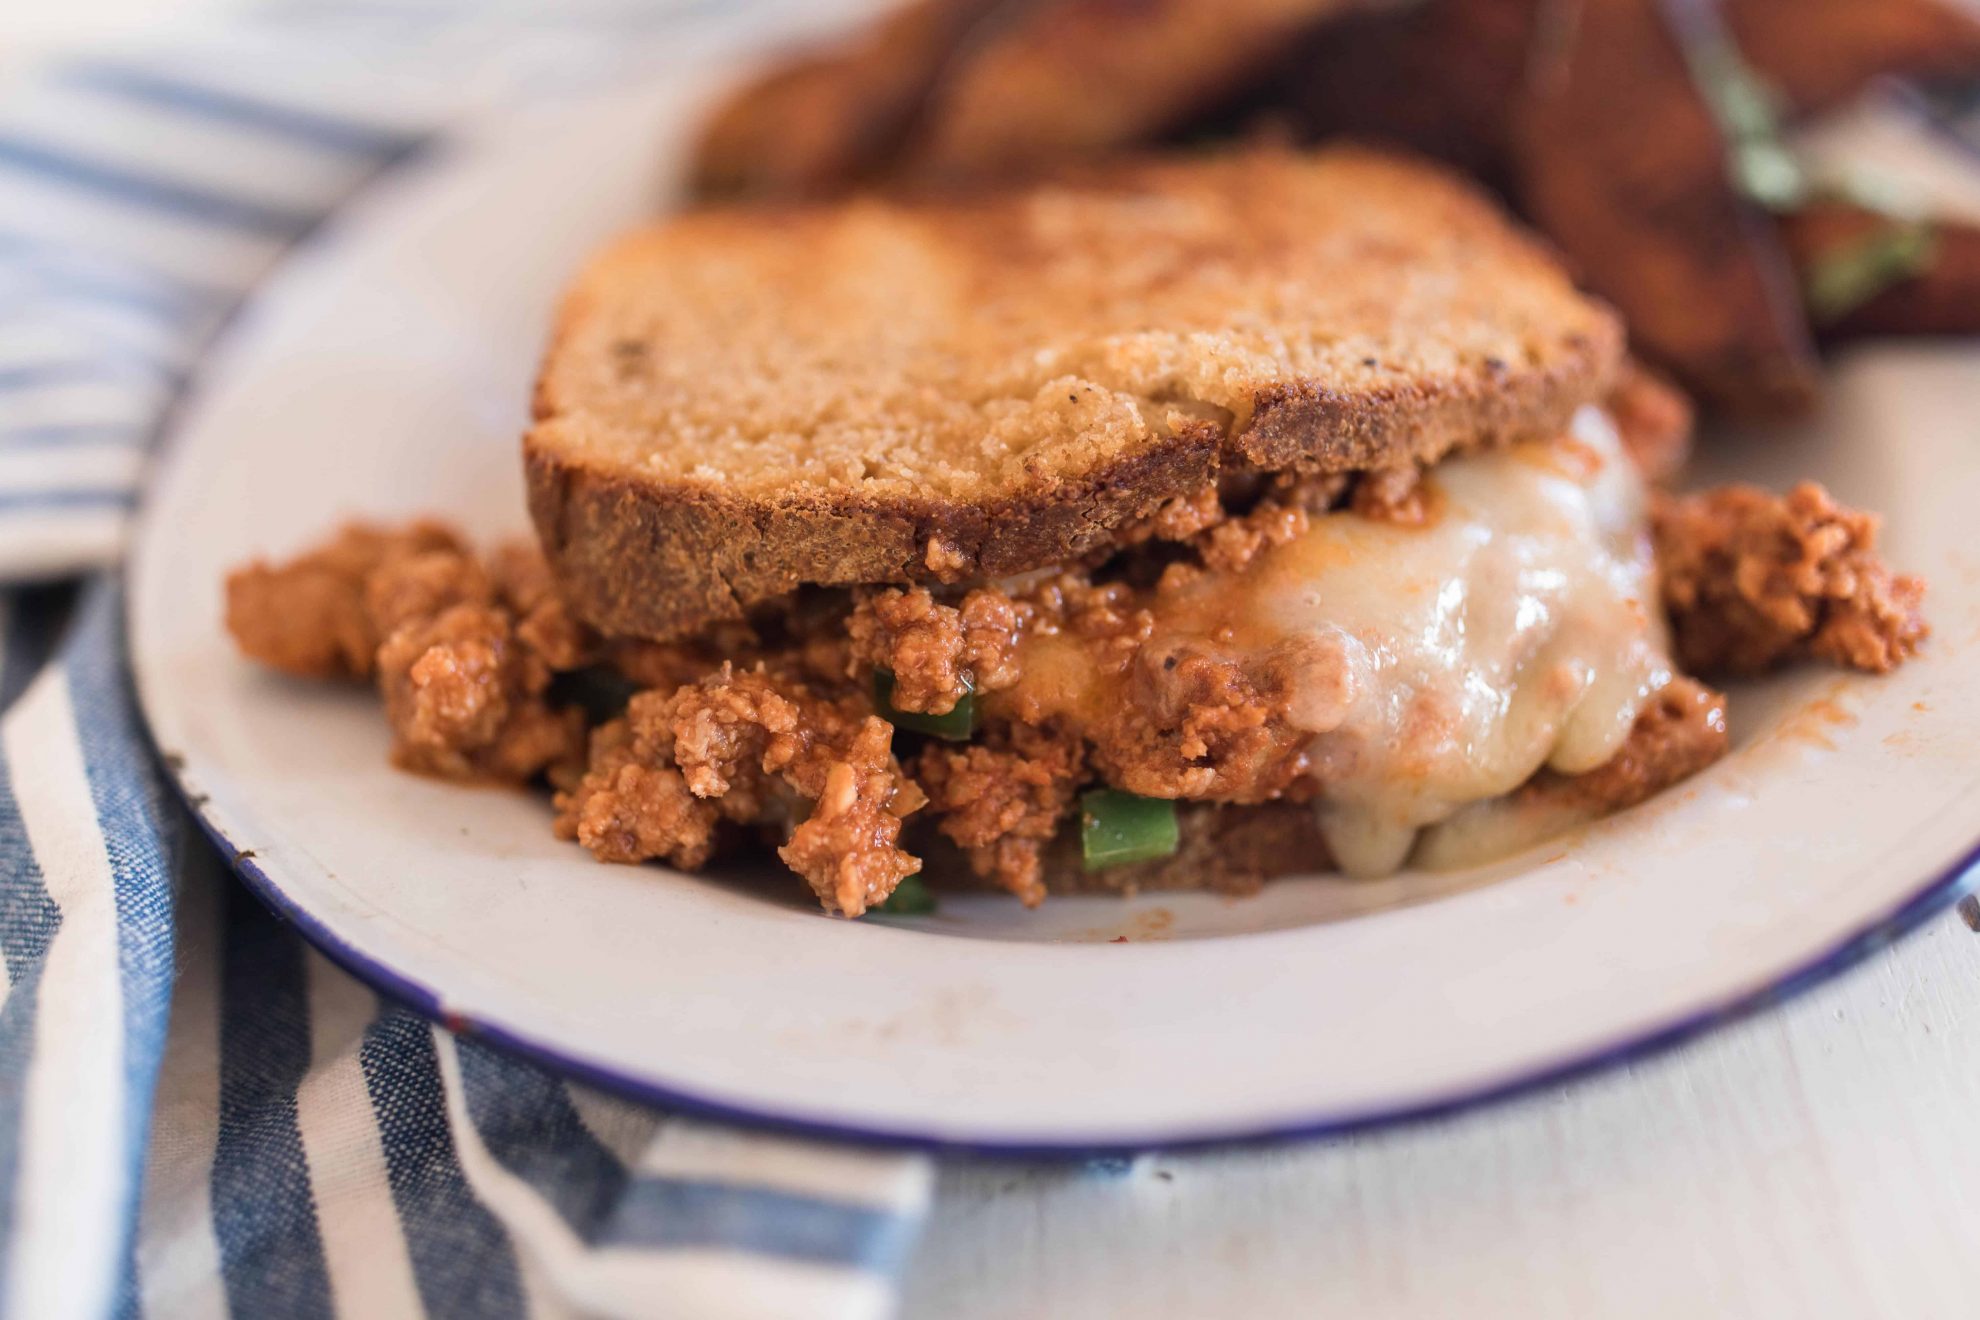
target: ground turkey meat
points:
(1194, 723)
(1002, 799)
(309, 616)
(1172, 717)
(754, 747)
(1235, 542)
(423, 584)
(462, 651)
(1679, 733)
(464, 677)
(937, 653)
(632, 804)
(522, 579)
(466, 700)
(1754, 579)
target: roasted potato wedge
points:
(1653, 220)
(1817, 53)
(1941, 298)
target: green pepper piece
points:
(1116, 828)
(955, 725)
(909, 899)
(1842, 281)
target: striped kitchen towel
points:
(199, 1115)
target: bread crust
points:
(643, 553)
(647, 559)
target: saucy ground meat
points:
(753, 747)
(937, 653)
(309, 616)
(465, 697)
(768, 727)
(1001, 800)
(1753, 580)
(543, 625)
(632, 804)
(1679, 733)
(1196, 723)
(463, 651)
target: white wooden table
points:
(1822, 1159)
(1819, 1159)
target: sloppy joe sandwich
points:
(1173, 522)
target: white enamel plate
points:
(387, 373)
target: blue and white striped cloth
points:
(199, 1115)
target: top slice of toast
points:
(736, 402)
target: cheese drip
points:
(1515, 630)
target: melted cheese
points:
(1443, 664)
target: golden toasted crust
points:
(934, 388)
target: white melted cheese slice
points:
(1516, 628)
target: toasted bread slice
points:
(739, 402)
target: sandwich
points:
(1175, 521)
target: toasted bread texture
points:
(739, 402)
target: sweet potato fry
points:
(1821, 52)
(1652, 218)
(826, 119)
(1439, 77)
(948, 88)
(1063, 78)
(1941, 299)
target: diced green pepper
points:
(955, 725)
(1117, 828)
(909, 899)
(1842, 281)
